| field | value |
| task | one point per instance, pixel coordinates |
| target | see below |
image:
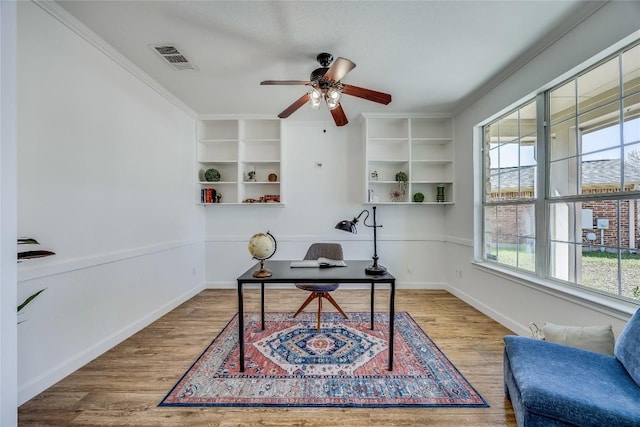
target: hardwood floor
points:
(124, 386)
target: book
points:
(318, 263)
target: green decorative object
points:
(440, 193)
(418, 197)
(402, 177)
(212, 175)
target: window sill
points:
(610, 306)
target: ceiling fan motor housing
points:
(317, 76)
(324, 59)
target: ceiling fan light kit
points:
(326, 85)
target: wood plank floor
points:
(124, 386)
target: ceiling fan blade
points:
(285, 82)
(293, 107)
(338, 116)
(339, 69)
(368, 94)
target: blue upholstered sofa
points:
(552, 384)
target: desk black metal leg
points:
(262, 304)
(372, 298)
(392, 317)
(240, 327)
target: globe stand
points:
(263, 272)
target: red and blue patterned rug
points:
(344, 365)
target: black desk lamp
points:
(350, 226)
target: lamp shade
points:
(346, 225)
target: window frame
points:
(542, 199)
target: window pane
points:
(526, 220)
(507, 251)
(600, 271)
(491, 232)
(599, 86)
(563, 178)
(510, 235)
(528, 124)
(565, 222)
(562, 102)
(631, 70)
(563, 140)
(526, 231)
(562, 261)
(630, 275)
(601, 172)
(605, 224)
(631, 126)
(632, 167)
(526, 254)
(509, 127)
(600, 129)
(628, 226)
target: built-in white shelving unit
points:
(247, 154)
(419, 146)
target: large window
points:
(562, 188)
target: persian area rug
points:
(290, 363)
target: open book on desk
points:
(318, 263)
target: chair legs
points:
(320, 295)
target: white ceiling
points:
(431, 56)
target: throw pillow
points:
(626, 350)
(594, 338)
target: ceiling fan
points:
(326, 85)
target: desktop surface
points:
(283, 272)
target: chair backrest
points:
(326, 250)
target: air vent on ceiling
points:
(173, 57)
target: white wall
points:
(316, 199)
(105, 168)
(516, 303)
(8, 331)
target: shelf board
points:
(432, 161)
(208, 162)
(243, 204)
(387, 161)
(258, 140)
(259, 182)
(259, 161)
(445, 181)
(408, 203)
(217, 182)
(432, 140)
(215, 140)
(388, 139)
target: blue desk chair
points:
(321, 290)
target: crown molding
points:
(59, 13)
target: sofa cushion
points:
(594, 338)
(572, 385)
(627, 348)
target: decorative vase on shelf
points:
(212, 175)
(440, 193)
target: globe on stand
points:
(262, 246)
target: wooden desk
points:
(284, 273)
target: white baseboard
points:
(46, 380)
(495, 315)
